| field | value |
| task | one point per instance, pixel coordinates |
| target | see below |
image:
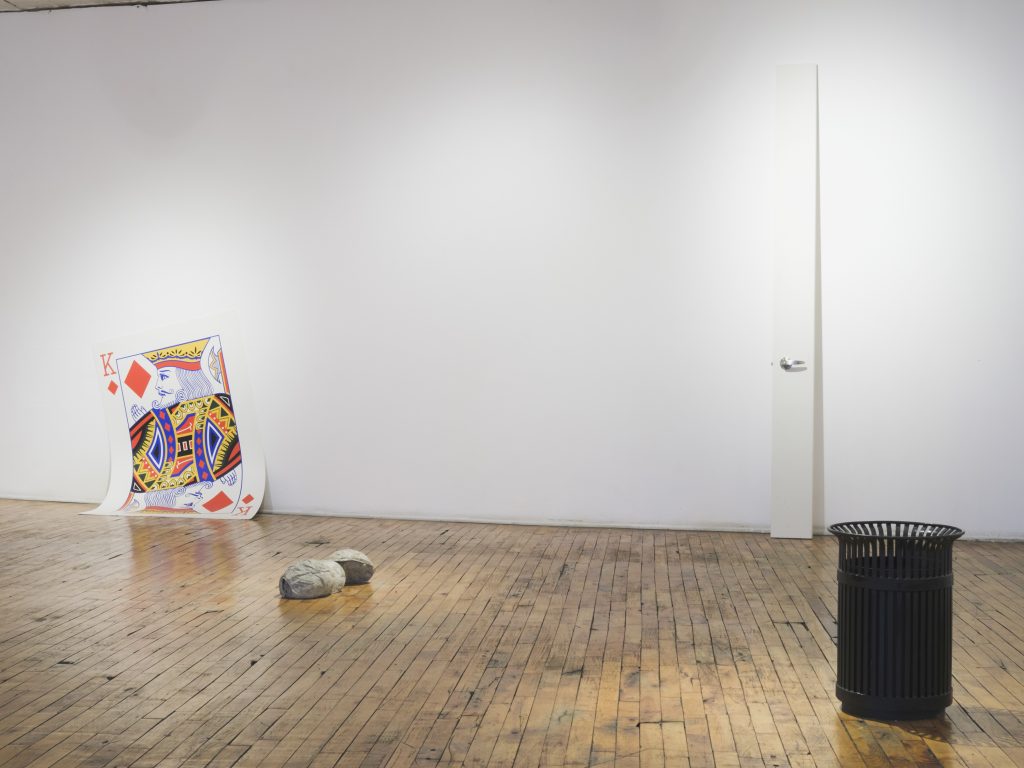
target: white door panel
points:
(796, 304)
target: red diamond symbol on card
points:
(137, 379)
(247, 499)
(218, 502)
(112, 386)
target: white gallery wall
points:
(513, 261)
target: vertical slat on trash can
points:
(895, 618)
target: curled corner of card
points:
(182, 431)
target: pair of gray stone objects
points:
(319, 578)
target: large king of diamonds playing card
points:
(179, 412)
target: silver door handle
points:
(788, 364)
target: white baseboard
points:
(567, 523)
(997, 536)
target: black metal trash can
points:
(895, 620)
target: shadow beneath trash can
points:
(936, 729)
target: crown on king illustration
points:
(187, 356)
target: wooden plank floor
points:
(162, 642)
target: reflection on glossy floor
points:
(159, 642)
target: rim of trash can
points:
(904, 530)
